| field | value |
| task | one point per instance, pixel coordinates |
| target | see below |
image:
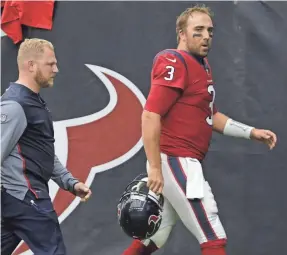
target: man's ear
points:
(31, 65)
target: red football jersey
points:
(187, 127)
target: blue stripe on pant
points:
(36, 224)
(195, 203)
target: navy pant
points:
(32, 220)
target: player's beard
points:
(42, 81)
(197, 50)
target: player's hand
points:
(155, 180)
(265, 136)
(82, 191)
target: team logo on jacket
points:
(3, 118)
(98, 142)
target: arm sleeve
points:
(63, 177)
(168, 80)
(13, 124)
(169, 70)
(161, 99)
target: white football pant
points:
(183, 178)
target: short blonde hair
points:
(32, 47)
(181, 21)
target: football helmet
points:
(139, 209)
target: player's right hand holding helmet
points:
(155, 180)
(140, 209)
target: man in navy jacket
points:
(28, 159)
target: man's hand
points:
(82, 191)
(265, 136)
(155, 180)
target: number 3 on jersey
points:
(170, 73)
(211, 91)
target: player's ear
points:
(181, 35)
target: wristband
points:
(237, 129)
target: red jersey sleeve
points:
(169, 70)
(214, 109)
(161, 98)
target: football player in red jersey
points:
(177, 125)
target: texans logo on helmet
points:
(156, 220)
(86, 145)
(153, 218)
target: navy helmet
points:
(140, 210)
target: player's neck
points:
(29, 83)
(182, 47)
